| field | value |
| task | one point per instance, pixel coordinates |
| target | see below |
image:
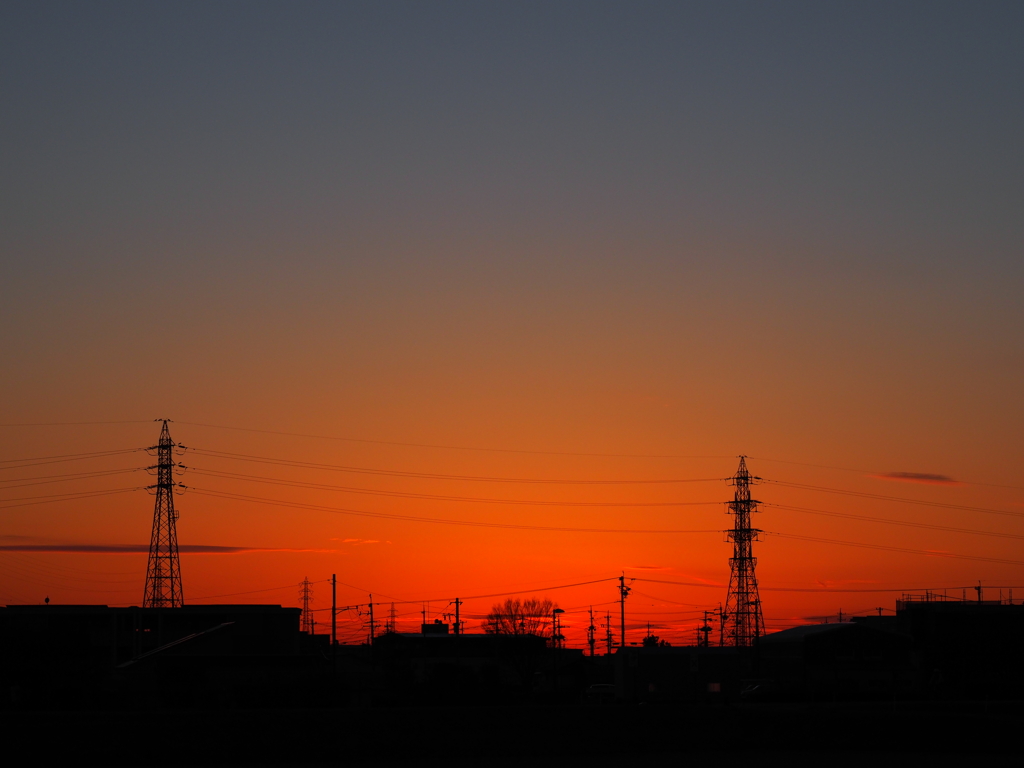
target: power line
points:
(482, 597)
(253, 591)
(39, 569)
(441, 497)
(901, 499)
(830, 589)
(807, 464)
(927, 526)
(72, 423)
(435, 475)
(449, 447)
(435, 520)
(46, 480)
(27, 557)
(61, 458)
(885, 548)
(65, 497)
(871, 473)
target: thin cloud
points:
(829, 583)
(926, 478)
(649, 568)
(135, 549)
(358, 542)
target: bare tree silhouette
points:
(520, 617)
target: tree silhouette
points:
(519, 617)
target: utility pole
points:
(458, 622)
(591, 632)
(307, 606)
(372, 625)
(609, 636)
(743, 605)
(623, 594)
(393, 620)
(163, 574)
(704, 630)
(556, 628)
(334, 623)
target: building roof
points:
(797, 634)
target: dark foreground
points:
(931, 733)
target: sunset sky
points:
(485, 242)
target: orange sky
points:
(651, 231)
(402, 560)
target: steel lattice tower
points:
(744, 622)
(163, 576)
(307, 606)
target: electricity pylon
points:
(307, 606)
(163, 574)
(744, 622)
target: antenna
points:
(163, 573)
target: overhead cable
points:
(435, 520)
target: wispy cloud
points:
(829, 583)
(649, 568)
(134, 549)
(359, 542)
(917, 477)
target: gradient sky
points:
(787, 230)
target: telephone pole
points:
(623, 594)
(307, 606)
(591, 632)
(373, 626)
(609, 636)
(334, 624)
(458, 621)
(163, 574)
(743, 605)
(704, 630)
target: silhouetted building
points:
(667, 673)
(965, 648)
(436, 665)
(56, 654)
(841, 660)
